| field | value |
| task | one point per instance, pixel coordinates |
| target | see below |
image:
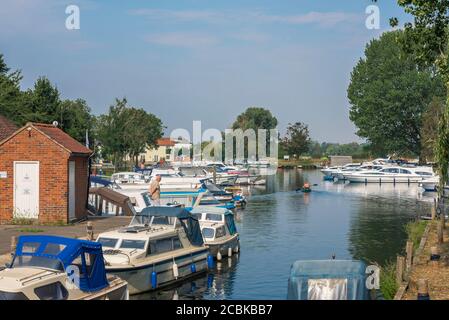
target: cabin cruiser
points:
(333, 171)
(430, 184)
(218, 230)
(57, 268)
(342, 174)
(393, 174)
(161, 246)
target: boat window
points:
(133, 244)
(421, 173)
(213, 217)
(220, 232)
(30, 247)
(52, 291)
(12, 296)
(208, 233)
(54, 248)
(405, 171)
(164, 245)
(161, 220)
(108, 242)
(38, 262)
(197, 215)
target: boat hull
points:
(139, 278)
(384, 179)
(223, 247)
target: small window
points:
(54, 249)
(30, 247)
(177, 243)
(133, 244)
(108, 242)
(53, 291)
(405, 171)
(220, 232)
(208, 233)
(12, 296)
(213, 217)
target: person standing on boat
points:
(155, 191)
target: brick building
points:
(43, 175)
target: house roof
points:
(7, 128)
(56, 135)
(165, 142)
(61, 138)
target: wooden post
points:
(440, 232)
(90, 231)
(409, 251)
(423, 289)
(434, 256)
(400, 264)
(433, 211)
(13, 245)
(443, 219)
(117, 210)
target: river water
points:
(280, 225)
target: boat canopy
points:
(32, 250)
(99, 180)
(327, 280)
(228, 215)
(188, 221)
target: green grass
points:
(415, 231)
(388, 285)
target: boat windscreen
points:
(38, 262)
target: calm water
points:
(280, 225)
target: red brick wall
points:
(53, 175)
(81, 180)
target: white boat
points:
(430, 184)
(328, 171)
(218, 230)
(161, 246)
(54, 268)
(344, 173)
(121, 178)
(333, 171)
(393, 174)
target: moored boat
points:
(57, 268)
(161, 246)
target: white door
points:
(26, 190)
(71, 190)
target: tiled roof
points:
(7, 128)
(61, 138)
(165, 142)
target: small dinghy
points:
(327, 280)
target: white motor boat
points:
(430, 184)
(344, 173)
(328, 171)
(161, 246)
(393, 174)
(58, 268)
(218, 230)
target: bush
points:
(388, 285)
(415, 231)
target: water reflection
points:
(280, 225)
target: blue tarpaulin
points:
(88, 256)
(352, 272)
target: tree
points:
(388, 94)
(297, 139)
(75, 118)
(427, 38)
(45, 102)
(127, 131)
(256, 118)
(429, 128)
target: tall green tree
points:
(127, 131)
(427, 38)
(388, 94)
(76, 119)
(297, 139)
(429, 129)
(45, 102)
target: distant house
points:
(168, 150)
(340, 160)
(43, 175)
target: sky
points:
(199, 60)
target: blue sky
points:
(199, 60)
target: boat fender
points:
(154, 279)
(229, 252)
(236, 249)
(210, 261)
(219, 255)
(175, 270)
(193, 268)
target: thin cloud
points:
(181, 39)
(326, 19)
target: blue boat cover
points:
(66, 251)
(188, 221)
(303, 271)
(99, 180)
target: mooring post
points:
(423, 289)
(409, 251)
(90, 231)
(13, 245)
(434, 256)
(400, 264)
(433, 211)
(440, 232)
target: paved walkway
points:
(78, 230)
